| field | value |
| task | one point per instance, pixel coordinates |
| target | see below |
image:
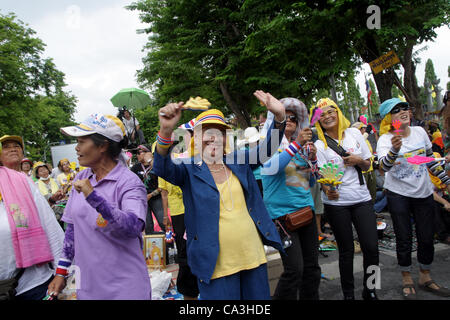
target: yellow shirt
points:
(174, 196)
(44, 188)
(240, 246)
(62, 179)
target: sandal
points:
(411, 295)
(327, 236)
(443, 292)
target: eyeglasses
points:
(399, 108)
(291, 118)
(330, 112)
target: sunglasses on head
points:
(399, 108)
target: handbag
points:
(8, 287)
(298, 219)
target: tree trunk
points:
(369, 51)
(241, 114)
(410, 81)
(384, 82)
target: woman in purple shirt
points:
(105, 217)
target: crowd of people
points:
(226, 202)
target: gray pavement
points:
(390, 274)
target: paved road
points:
(390, 274)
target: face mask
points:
(44, 179)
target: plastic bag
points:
(160, 282)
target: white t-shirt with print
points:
(350, 191)
(404, 178)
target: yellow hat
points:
(343, 122)
(39, 164)
(211, 116)
(13, 138)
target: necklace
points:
(229, 190)
(218, 170)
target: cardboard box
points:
(274, 270)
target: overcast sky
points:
(94, 42)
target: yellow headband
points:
(343, 122)
(385, 125)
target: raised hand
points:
(168, 121)
(272, 104)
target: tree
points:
(404, 24)
(225, 50)
(448, 83)
(33, 103)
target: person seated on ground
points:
(26, 166)
(132, 128)
(437, 143)
(380, 199)
(369, 175)
(442, 208)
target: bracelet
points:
(62, 268)
(60, 275)
(163, 142)
(61, 272)
(293, 148)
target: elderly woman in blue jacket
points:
(226, 220)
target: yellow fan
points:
(330, 175)
(195, 104)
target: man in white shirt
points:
(132, 127)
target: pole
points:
(368, 102)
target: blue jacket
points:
(202, 203)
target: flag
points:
(369, 92)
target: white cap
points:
(107, 125)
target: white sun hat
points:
(107, 125)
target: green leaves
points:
(33, 103)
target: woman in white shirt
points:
(351, 202)
(33, 280)
(409, 190)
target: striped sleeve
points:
(437, 170)
(387, 162)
